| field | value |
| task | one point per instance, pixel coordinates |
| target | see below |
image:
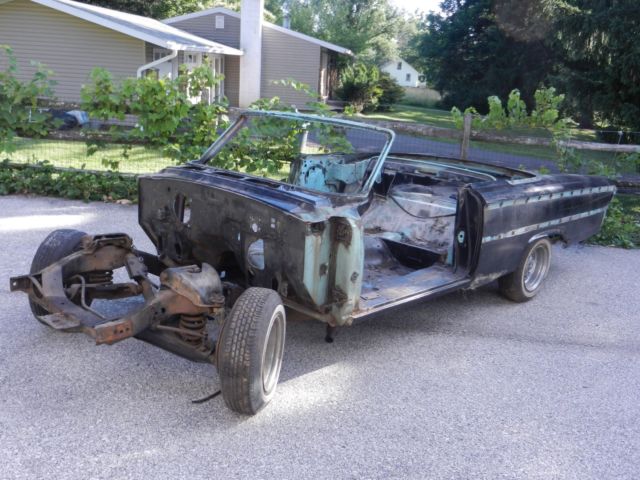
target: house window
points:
(159, 53)
(192, 58)
(399, 66)
(219, 21)
(408, 78)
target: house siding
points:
(400, 76)
(232, 79)
(204, 27)
(285, 56)
(175, 63)
(67, 45)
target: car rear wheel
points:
(524, 284)
(56, 246)
(250, 350)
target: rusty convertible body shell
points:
(425, 227)
(353, 229)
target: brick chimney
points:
(251, 14)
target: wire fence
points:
(73, 151)
(78, 154)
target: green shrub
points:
(44, 179)
(547, 111)
(359, 85)
(166, 116)
(545, 115)
(392, 92)
(621, 226)
(19, 101)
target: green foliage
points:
(458, 117)
(621, 226)
(19, 114)
(517, 109)
(263, 148)
(599, 61)
(392, 92)
(477, 48)
(586, 48)
(268, 144)
(155, 9)
(350, 111)
(547, 111)
(366, 27)
(44, 179)
(359, 85)
(496, 117)
(545, 115)
(166, 116)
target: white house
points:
(405, 74)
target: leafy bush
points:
(359, 85)
(166, 116)
(496, 117)
(19, 100)
(458, 116)
(44, 179)
(545, 115)
(547, 111)
(517, 109)
(621, 226)
(392, 92)
(268, 143)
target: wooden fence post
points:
(466, 136)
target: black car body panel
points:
(426, 226)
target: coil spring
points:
(100, 277)
(196, 324)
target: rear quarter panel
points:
(570, 208)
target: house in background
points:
(271, 53)
(403, 73)
(72, 38)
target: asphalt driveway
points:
(467, 386)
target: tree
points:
(366, 27)
(408, 37)
(600, 60)
(478, 48)
(155, 8)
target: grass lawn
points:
(73, 154)
(407, 113)
(442, 118)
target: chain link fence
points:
(72, 150)
(79, 154)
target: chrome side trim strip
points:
(539, 226)
(551, 196)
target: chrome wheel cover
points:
(536, 267)
(273, 350)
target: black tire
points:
(250, 350)
(525, 283)
(57, 245)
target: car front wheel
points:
(524, 284)
(250, 350)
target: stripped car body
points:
(352, 231)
